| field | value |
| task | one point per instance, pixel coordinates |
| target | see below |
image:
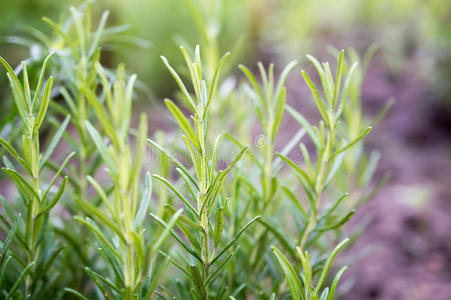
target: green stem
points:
(202, 193)
(319, 185)
(129, 272)
(32, 229)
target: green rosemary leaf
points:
(337, 162)
(280, 109)
(98, 33)
(21, 184)
(92, 210)
(237, 236)
(98, 281)
(180, 83)
(156, 276)
(198, 282)
(340, 223)
(40, 80)
(19, 280)
(167, 231)
(75, 293)
(179, 240)
(255, 85)
(101, 193)
(187, 227)
(214, 81)
(97, 233)
(56, 176)
(44, 105)
(321, 74)
(183, 122)
(145, 201)
(219, 223)
(188, 183)
(174, 160)
(9, 237)
(335, 283)
(101, 147)
(218, 270)
(295, 167)
(19, 96)
(352, 143)
(336, 204)
(283, 77)
(103, 117)
(324, 294)
(294, 200)
(54, 143)
(292, 278)
(56, 28)
(346, 87)
(79, 27)
(4, 267)
(174, 189)
(338, 79)
(55, 199)
(305, 124)
(250, 154)
(328, 264)
(319, 103)
(10, 149)
(26, 84)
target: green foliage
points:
(120, 233)
(357, 170)
(204, 203)
(38, 250)
(303, 288)
(216, 219)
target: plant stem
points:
(202, 194)
(323, 165)
(31, 230)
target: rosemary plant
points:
(357, 171)
(261, 196)
(76, 42)
(240, 227)
(206, 248)
(316, 175)
(121, 233)
(77, 48)
(269, 103)
(78, 68)
(35, 248)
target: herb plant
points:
(205, 241)
(316, 175)
(120, 234)
(217, 219)
(34, 257)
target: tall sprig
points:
(78, 47)
(206, 246)
(329, 149)
(121, 232)
(256, 189)
(317, 173)
(36, 196)
(77, 40)
(357, 171)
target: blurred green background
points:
(412, 33)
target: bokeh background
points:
(405, 252)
